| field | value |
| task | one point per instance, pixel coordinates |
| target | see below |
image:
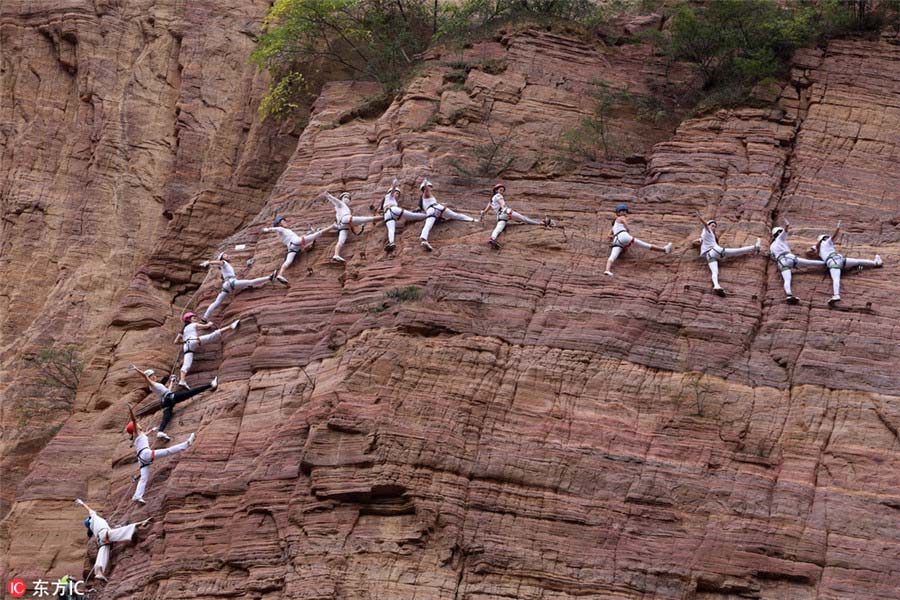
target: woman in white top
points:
(712, 252)
(230, 283)
(99, 529)
(621, 239)
(787, 260)
(505, 213)
(836, 262)
(146, 455)
(434, 210)
(393, 212)
(192, 340)
(295, 243)
(344, 221)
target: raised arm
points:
(81, 502)
(702, 220)
(837, 231)
(137, 426)
(337, 203)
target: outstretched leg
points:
(455, 216)
(729, 252)
(342, 239)
(174, 398)
(786, 275)
(240, 284)
(391, 225)
(186, 364)
(288, 261)
(856, 263)
(501, 225)
(714, 270)
(363, 220)
(142, 484)
(523, 219)
(216, 303)
(426, 229)
(174, 449)
(613, 255)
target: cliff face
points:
(528, 428)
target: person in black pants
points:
(169, 398)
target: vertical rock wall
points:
(527, 429)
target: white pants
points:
(837, 263)
(623, 240)
(148, 456)
(504, 216)
(229, 286)
(344, 227)
(787, 262)
(392, 214)
(306, 242)
(439, 211)
(192, 346)
(714, 255)
(107, 536)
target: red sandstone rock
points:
(527, 429)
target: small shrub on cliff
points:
(410, 293)
(60, 370)
(471, 18)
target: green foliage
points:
(593, 138)
(303, 40)
(409, 293)
(461, 21)
(60, 370)
(737, 43)
(490, 159)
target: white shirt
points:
(227, 270)
(190, 333)
(826, 248)
(428, 202)
(389, 201)
(141, 443)
(286, 235)
(618, 226)
(779, 245)
(707, 240)
(98, 524)
(495, 201)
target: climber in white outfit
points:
(505, 213)
(295, 243)
(230, 283)
(192, 340)
(435, 211)
(168, 398)
(712, 252)
(393, 213)
(344, 221)
(621, 239)
(836, 262)
(786, 260)
(146, 456)
(99, 529)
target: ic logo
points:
(16, 588)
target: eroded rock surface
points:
(529, 428)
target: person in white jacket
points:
(787, 261)
(836, 262)
(295, 243)
(98, 529)
(230, 283)
(712, 252)
(393, 213)
(191, 340)
(146, 455)
(505, 213)
(434, 212)
(344, 221)
(621, 239)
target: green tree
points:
(303, 41)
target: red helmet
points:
(186, 317)
(130, 427)
(497, 187)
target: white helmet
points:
(776, 231)
(711, 222)
(425, 183)
(823, 237)
(345, 196)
